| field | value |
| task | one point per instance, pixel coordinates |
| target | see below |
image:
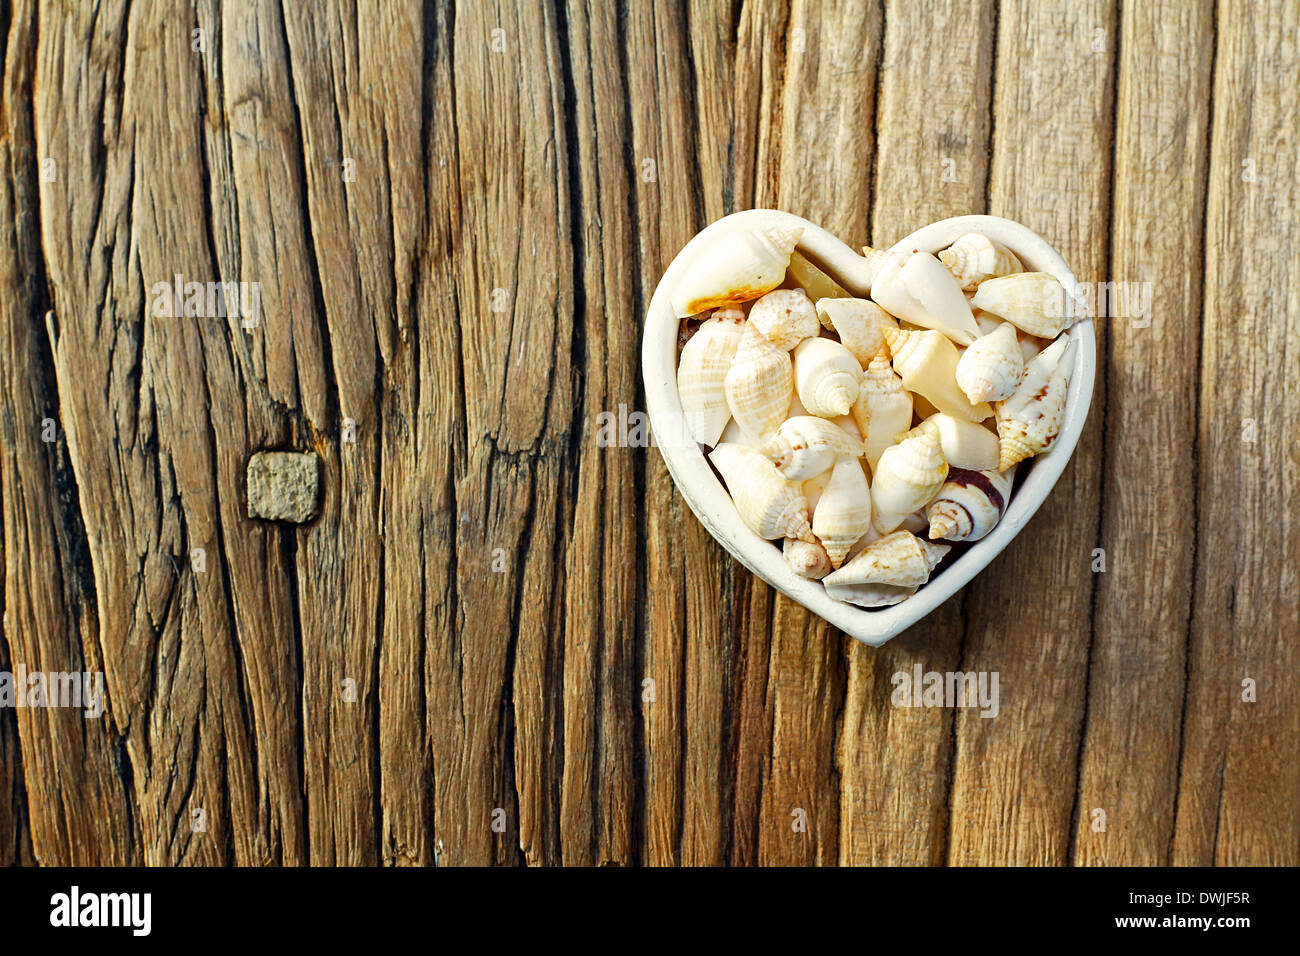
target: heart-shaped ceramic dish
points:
(707, 496)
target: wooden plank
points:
(1014, 775)
(932, 163)
(684, 651)
(1129, 765)
(599, 653)
(1240, 780)
(513, 269)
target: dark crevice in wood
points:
(1212, 119)
(873, 181)
(1102, 392)
(289, 556)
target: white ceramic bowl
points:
(707, 496)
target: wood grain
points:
(1239, 781)
(1143, 599)
(506, 639)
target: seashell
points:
(906, 478)
(883, 408)
(702, 372)
(969, 504)
(919, 289)
(843, 514)
(988, 322)
(733, 434)
(1031, 301)
(813, 488)
(769, 504)
(806, 445)
(786, 317)
(826, 377)
(1030, 420)
(868, 595)
(901, 559)
(991, 367)
(1029, 346)
(738, 266)
(804, 275)
(808, 559)
(975, 257)
(860, 324)
(965, 444)
(927, 362)
(759, 385)
(923, 408)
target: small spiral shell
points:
(900, 559)
(807, 445)
(759, 384)
(769, 504)
(826, 377)
(786, 317)
(975, 257)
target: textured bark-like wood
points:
(1240, 776)
(1143, 599)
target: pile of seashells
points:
(793, 383)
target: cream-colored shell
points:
(843, 514)
(919, 289)
(737, 266)
(759, 384)
(860, 324)
(1034, 302)
(808, 559)
(975, 257)
(702, 374)
(927, 362)
(906, 478)
(813, 488)
(992, 366)
(769, 504)
(965, 444)
(883, 408)
(786, 317)
(868, 595)
(826, 377)
(900, 559)
(1030, 420)
(969, 504)
(807, 445)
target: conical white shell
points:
(969, 504)
(900, 559)
(965, 444)
(702, 372)
(786, 317)
(759, 384)
(927, 362)
(1030, 420)
(975, 257)
(883, 408)
(807, 445)
(991, 367)
(868, 595)
(906, 478)
(808, 559)
(769, 504)
(826, 377)
(843, 514)
(859, 323)
(737, 266)
(1031, 301)
(919, 289)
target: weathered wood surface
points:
(457, 215)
